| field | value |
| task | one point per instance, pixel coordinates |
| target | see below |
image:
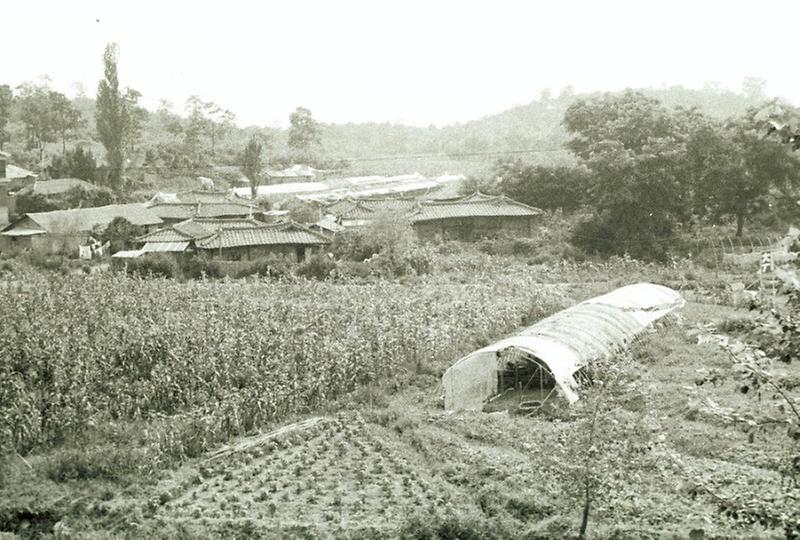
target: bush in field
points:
(120, 233)
(152, 265)
(605, 441)
(318, 266)
(508, 246)
(452, 526)
(46, 261)
(610, 234)
(196, 267)
(388, 244)
(80, 464)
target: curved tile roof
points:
(477, 205)
(278, 234)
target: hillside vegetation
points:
(174, 144)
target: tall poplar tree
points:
(112, 117)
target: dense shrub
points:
(83, 464)
(192, 266)
(45, 261)
(353, 269)
(388, 245)
(271, 267)
(75, 163)
(195, 267)
(120, 234)
(151, 266)
(74, 198)
(550, 188)
(509, 245)
(319, 266)
(452, 527)
(625, 233)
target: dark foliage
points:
(76, 163)
(549, 188)
(121, 234)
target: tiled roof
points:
(207, 210)
(277, 234)
(173, 211)
(57, 186)
(477, 205)
(196, 228)
(192, 229)
(165, 235)
(389, 205)
(212, 210)
(367, 208)
(225, 223)
(85, 219)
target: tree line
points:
(101, 138)
(646, 171)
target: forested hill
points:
(535, 125)
(167, 140)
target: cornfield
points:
(197, 363)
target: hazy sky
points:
(416, 62)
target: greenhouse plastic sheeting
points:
(565, 342)
(644, 301)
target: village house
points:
(16, 177)
(62, 231)
(181, 237)
(177, 212)
(234, 239)
(473, 217)
(12, 179)
(178, 207)
(462, 218)
(352, 213)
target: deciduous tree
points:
(304, 131)
(76, 163)
(37, 115)
(735, 167)
(636, 150)
(252, 163)
(66, 118)
(137, 116)
(206, 117)
(550, 188)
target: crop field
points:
(147, 407)
(339, 471)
